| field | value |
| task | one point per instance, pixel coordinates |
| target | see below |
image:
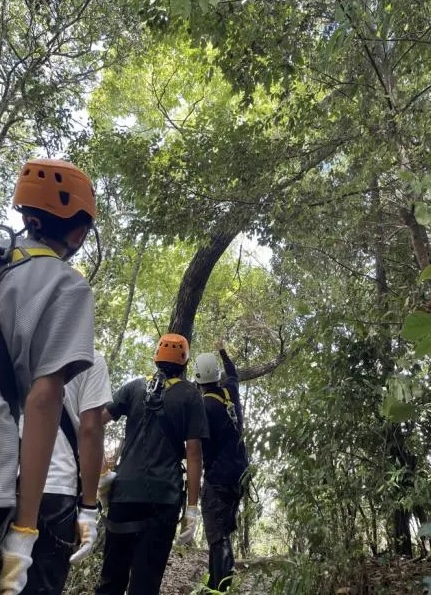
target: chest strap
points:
(224, 401)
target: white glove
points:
(87, 530)
(16, 553)
(188, 525)
(104, 487)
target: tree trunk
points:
(403, 540)
(194, 282)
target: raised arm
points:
(229, 366)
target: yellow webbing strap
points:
(168, 382)
(19, 254)
(223, 401)
(171, 381)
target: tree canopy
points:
(304, 128)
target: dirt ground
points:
(375, 577)
(184, 571)
(257, 576)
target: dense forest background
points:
(263, 175)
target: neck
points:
(59, 248)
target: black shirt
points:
(225, 456)
(150, 467)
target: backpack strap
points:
(8, 387)
(20, 255)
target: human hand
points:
(188, 526)
(218, 345)
(87, 530)
(16, 554)
(103, 489)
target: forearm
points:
(229, 366)
(90, 458)
(41, 420)
(194, 472)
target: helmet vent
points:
(64, 197)
(41, 173)
(58, 177)
(26, 173)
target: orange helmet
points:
(55, 186)
(172, 348)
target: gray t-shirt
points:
(47, 319)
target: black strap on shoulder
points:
(9, 392)
(69, 431)
(8, 387)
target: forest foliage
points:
(304, 128)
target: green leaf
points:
(425, 274)
(397, 411)
(181, 8)
(416, 326)
(423, 347)
(423, 213)
(204, 5)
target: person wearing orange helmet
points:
(165, 422)
(46, 339)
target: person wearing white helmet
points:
(225, 461)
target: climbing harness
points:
(228, 404)
(153, 404)
(246, 482)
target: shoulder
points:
(100, 365)
(134, 387)
(184, 392)
(232, 385)
(46, 273)
(187, 388)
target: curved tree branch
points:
(194, 282)
(266, 368)
(126, 314)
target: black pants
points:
(219, 508)
(54, 546)
(137, 558)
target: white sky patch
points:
(14, 219)
(253, 252)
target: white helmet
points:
(206, 369)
